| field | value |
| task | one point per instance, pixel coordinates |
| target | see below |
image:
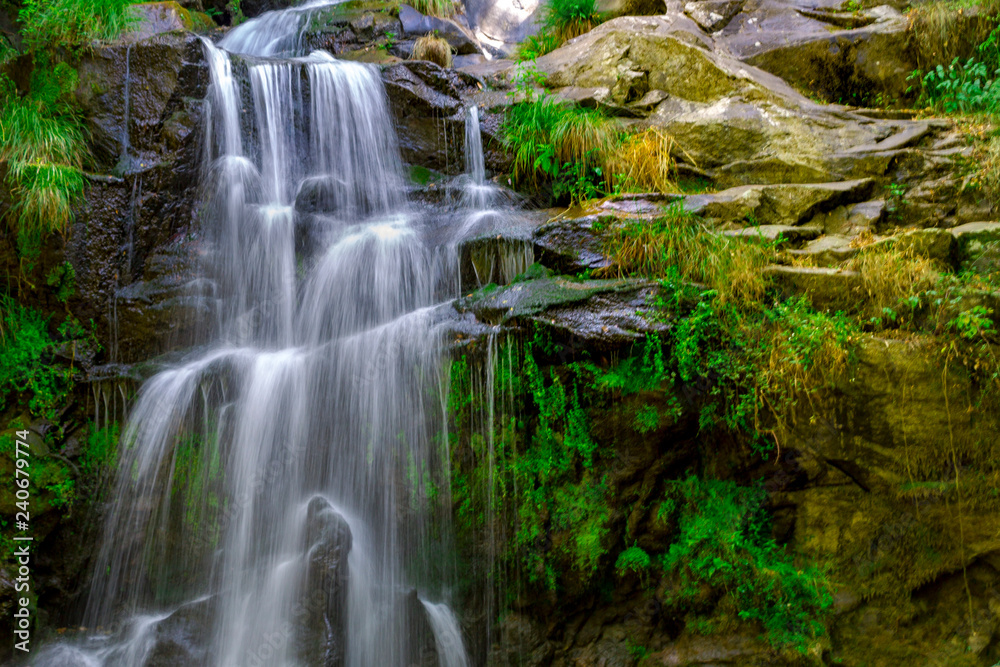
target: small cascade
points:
(277, 33)
(447, 635)
(477, 193)
(494, 254)
(125, 160)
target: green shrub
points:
(567, 19)
(724, 541)
(102, 451)
(633, 559)
(968, 86)
(561, 20)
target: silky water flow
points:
(276, 492)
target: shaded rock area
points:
(133, 244)
(824, 184)
(132, 249)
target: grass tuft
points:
(644, 162)
(42, 142)
(442, 8)
(677, 244)
(561, 20)
(45, 23)
(434, 49)
(566, 145)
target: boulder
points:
(738, 123)
(321, 634)
(505, 23)
(713, 15)
(777, 204)
(599, 313)
(154, 18)
(128, 243)
(934, 244)
(978, 246)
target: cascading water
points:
(274, 502)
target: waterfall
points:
(275, 503)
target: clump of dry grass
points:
(644, 162)
(677, 244)
(891, 274)
(434, 49)
(442, 8)
(942, 31)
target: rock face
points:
(427, 103)
(132, 245)
(132, 249)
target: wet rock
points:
(323, 607)
(602, 313)
(426, 102)
(167, 79)
(573, 245)
(495, 259)
(183, 637)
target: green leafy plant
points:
(25, 360)
(564, 146)
(235, 12)
(724, 542)
(570, 18)
(633, 559)
(561, 20)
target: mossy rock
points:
(154, 18)
(979, 247)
